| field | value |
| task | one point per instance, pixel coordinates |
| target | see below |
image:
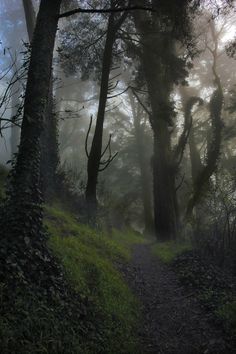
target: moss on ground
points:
(168, 251)
(127, 238)
(3, 175)
(88, 257)
(227, 313)
(110, 312)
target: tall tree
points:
(49, 142)
(162, 69)
(144, 164)
(214, 135)
(95, 154)
(24, 198)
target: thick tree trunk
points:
(144, 165)
(165, 203)
(49, 139)
(159, 89)
(145, 173)
(24, 197)
(49, 150)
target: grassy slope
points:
(89, 257)
(31, 325)
(167, 251)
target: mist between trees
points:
(126, 109)
(117, 128)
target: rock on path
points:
(173, 320)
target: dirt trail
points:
(173, 321)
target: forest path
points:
(173, 320)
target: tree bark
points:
(159, 87)
(24, 197)
(96, 147)
(144, 165)
(49, 139)
(30, 18)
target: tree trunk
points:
(96, 148)
(49, 137)
(144, 165)
(15, 129)
(30, 18)
(49, 150)
(95, 154)
(23, 206)
(30, 24)
(159, 88)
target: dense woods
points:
(117, 176)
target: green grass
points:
(3, 175)
(88, 257)
(227, 312)
(167, 251)
(29, 324)
(127, 238)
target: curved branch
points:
(180, 147)
(213, 153)
(87, 135)
(108, 162)
(107, 146)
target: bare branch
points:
(87, 135)
(110, 158)
(180, 184)
(107, 146)
(108, 162)
(142, 104)
(118, 94)
(102, 11)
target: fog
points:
(125, 185)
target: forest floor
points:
(174, 321)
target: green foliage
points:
(88, 258)
(32, 326)
(167, 251)
(62, 223)
(127, 238)
(227, 312)
(213, 287)
(3, 175)
(98, 314)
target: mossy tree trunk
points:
(159, 85)
(49, 139)
(23, 205)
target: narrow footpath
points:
(173, 320)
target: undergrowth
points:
(3, 175)
(88, 257)
(93, 312)
(227, 312)
(214, 288)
